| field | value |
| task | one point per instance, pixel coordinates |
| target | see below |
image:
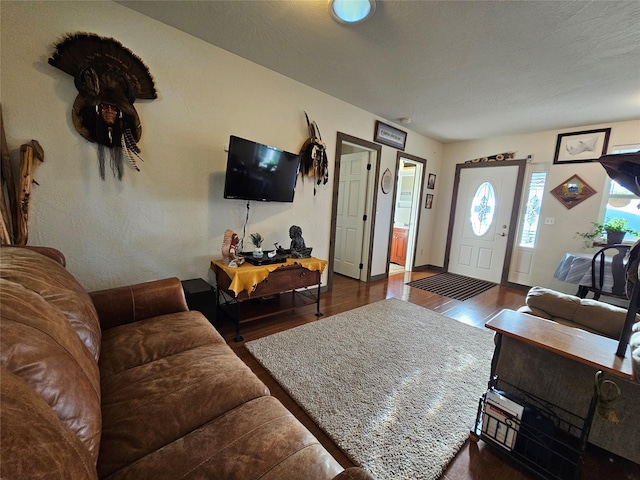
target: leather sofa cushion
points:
(50, 280)
(144, 341)
(258, 439)
(34, 442)
(163, 378)
(38, 344)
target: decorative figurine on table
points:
(230, 255)
(298, 248)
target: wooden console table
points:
(248, 282)
(579, 345)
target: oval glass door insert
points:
(483, 208)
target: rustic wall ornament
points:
(386, 181)
(573, 191)
(499, 157)
(109, 78)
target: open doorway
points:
(357, 167)
(406, 212)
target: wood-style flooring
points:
(475, 461)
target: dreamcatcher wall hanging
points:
(109, 78)
(313, 156)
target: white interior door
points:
(352, 198)
(483, 212)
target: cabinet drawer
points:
(304, 278)
(285, 279)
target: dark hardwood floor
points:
(475, 461)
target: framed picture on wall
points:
(391, 136)
(431, 182)
(429, 201)
(572, 191)
(581, 147)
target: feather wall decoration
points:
(314, 162)
(109, 78)
(130, 154)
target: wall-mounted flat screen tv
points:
(260, 172)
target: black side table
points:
(201, 296)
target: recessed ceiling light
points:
(351, 11)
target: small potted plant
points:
(256, 241)
(616, 229)
(592, 235)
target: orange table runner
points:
(248, 276)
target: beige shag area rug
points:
(395, 385)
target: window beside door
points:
(531, 217)
(620, 202)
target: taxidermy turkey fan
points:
(81, 50)
(109, 78)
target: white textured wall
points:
(169, 218)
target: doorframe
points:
(372, 199)
(515, 210)
(423, 161)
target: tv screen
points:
(259, 172)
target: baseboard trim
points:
(429, 267)
(382, 276)
(518, 286)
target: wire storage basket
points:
(545, 439)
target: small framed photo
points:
(429, 201)
(391, 136)
(581, 147)
(431, 181)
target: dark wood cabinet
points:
(267, 297)
(399, 245)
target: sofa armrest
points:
(535, 311)
(122, 305)
(354, 473)
(50, 252)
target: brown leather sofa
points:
(127, 383)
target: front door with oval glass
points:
(481, 225)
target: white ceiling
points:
(459, 70)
